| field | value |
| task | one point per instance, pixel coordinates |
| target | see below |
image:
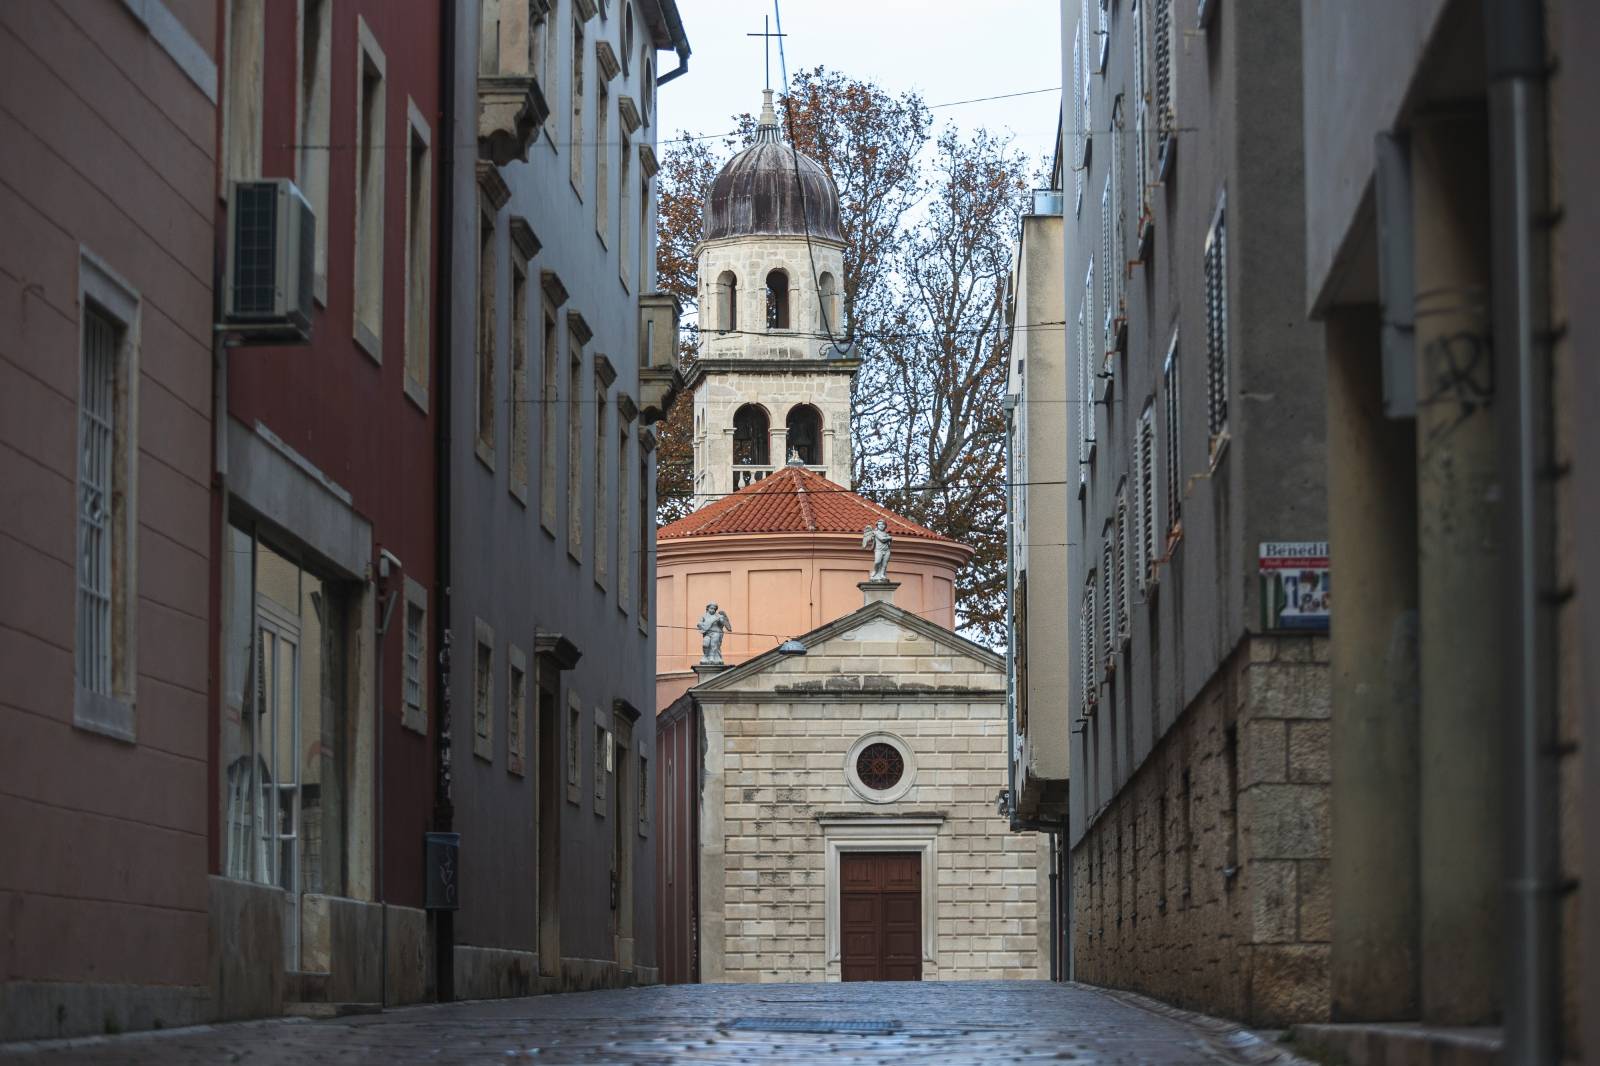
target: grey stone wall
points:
(1204, 883)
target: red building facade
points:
(324, 766)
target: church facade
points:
(829, 750)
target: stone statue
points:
(712, 625)
(878, 539)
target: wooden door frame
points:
(914, 833)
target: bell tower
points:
(772, 384)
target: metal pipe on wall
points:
(443, 804)
(1520, 219)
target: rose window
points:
(880, 766)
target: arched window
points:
(727, 301)
(647, 90)
(805, 434)
(829, 294)
(750, 436)
(777, 300)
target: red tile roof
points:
(792, 500)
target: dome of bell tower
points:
(756, 193)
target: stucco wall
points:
(109, 160)
(516, 575)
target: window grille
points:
(1161, 15)
(1107, 270)
(1104, 48)
(412, 687)
(1091, 651)
(1174, 433)
(1141, 104)
(1117, 260)
(1123, 626)
(1216, 264)
(1075, 116)
(1082, 396)
(1108, 623)
(1090, 365)
(1146, 500)
(96, 455)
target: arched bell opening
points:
(804, 425)
(751, 434)
(777, 300)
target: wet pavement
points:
(959, 1022)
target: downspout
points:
(443, 802)
(1520, 216)
(680, 42)
(1011, 622)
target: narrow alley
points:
(947, 1022)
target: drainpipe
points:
(1520, 217)
(680, 42)
(1011, 623)
(443, 802)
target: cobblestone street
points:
(979, 1022)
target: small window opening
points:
(777, 300)
(805, 435)
(750, 435)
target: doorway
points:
(548, 825)
(880, 916)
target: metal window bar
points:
(1173, 430)
(1091, 646)
(1162, 17)
(1105, 35)
(1216, 328)
(1123, 627)
(1085, 410)
(96, 451)
(1074, 116)
(413, 657)
(1108, 624)
(1107, 272)
(1147, 501)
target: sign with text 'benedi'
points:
(1295, 589)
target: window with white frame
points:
(316, 75)
(414, 663)
(517, 481)
(1082, 395)
(369, 171)
(419, 253)
(487, 341)
(1173, 430)
(1091, 361)
(483, 691)
(1075, 117)
(1216, 264)
(1141, 106)
(105, 646)
(1145, 500)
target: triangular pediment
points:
(878, 648)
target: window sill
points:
(369, 342)
(108, 716)
(484, 450)
(547, 523)
(417, 394)
(482, 749)
(414, 719)
(518, 493)
(1219, 447)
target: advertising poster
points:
(1295, 590)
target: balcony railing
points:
(745, 476)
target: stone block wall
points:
(1204, 882)
(776, 764)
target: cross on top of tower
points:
(766, 48)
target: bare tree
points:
(928, 250)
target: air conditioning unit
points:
(271, 268)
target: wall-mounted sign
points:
(1295, 590)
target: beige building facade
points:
(882, 742)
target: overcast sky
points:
(946, 49)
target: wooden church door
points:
(880, 916)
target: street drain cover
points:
(814, 1025)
